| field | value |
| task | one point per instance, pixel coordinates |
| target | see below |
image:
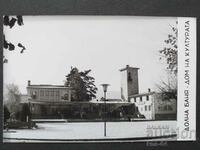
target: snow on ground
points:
(91, 130)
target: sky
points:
(103, 44)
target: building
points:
(47, 99)
(54, 101)
(154, 106)
(52, 93)
(149, 105)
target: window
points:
(47, 93)
(57, 93)
(147, 97)
(170, 107)
(41, 93)
(149, 107)
(145, 107)
(129, 77)
(140, 98)
(141, 109)
(52, 93)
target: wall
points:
(124, 86)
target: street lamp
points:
(105, 87)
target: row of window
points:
(165, 108)
(146, 108)
(46, 93)
(147, 98)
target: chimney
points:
(149, 90)
(29, 82)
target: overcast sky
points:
(104, 44)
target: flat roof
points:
(142, 94)
(77, 102)
(47, 86)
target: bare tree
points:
(169, 54)
(169, 87)
(12, 98)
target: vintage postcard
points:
(99, 79)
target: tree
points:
(170, 51)
(12, 98)
(10, 22)
(168, 88)
(6, 113)
(83, 87)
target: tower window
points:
(135, 99)
(129, 77)
(147, 97)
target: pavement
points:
(94, 132)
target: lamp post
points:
(105, 87)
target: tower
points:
(129, 82)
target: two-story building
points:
(47, 99)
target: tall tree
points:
(83, 87)
(11, 21)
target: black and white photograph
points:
(98, 78)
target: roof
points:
(47, 86)
(128, 67)
(142, 94)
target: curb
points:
(95, 140)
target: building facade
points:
(55, 100)
(153, 106)
(53, 93)
(47, 99)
